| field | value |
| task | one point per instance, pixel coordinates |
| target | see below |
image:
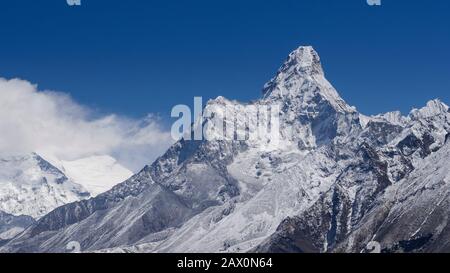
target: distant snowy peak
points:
(395, 118)
(97, 174)
(34, 185)
(433, 108)
(30, 185)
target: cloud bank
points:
(52, 123)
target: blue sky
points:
(136, 57)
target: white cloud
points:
(52, 123)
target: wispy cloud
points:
(53, 123)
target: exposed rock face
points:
(336, 181)
(11, 225)
(413, 215)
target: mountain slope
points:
(414, 216)
(11, 225)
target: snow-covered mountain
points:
(97, 174)
(30, 185)
(337, 180)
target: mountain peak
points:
(302, 79)
(303, 60)
(301, 64)
(433, 108)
